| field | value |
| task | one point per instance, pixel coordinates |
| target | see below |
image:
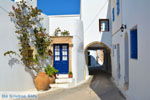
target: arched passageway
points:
(98, 58)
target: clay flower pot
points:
(52, 79)
(70, 75)
(42, 81)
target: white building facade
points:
(130, 57)
(120, 26)
(73, 25)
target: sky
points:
(59, 7)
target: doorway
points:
(61, 58)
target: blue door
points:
(61, 58)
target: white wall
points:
(12, 78)
(32, 2)
(72, 24)
(64, 22)
(91, 12)
(135, 12)
(45, 22)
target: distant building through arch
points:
(104, 56)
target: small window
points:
(104, 25)
(134, 43)
(118, 7)
(113, 14)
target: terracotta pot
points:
(42, 81)
(70, 75)
(52, 79)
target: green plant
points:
(49, 70)
(10, 52)
(65, 33)
(42, 42)
(62, 33)
(70, 73)
(57, 31)
(29, 32)
(22, 16)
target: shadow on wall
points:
(12, 61)
(16, 61)
(106, 37)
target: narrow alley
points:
(99, 87)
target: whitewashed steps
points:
(62, 81)
(61, 76)
(64, 85)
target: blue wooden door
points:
(61, 58)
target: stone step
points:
(62, 76)
(64, 80)
(62, 85)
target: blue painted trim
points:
(113, 14)
(118, 7)
(134, 44)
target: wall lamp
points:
(123, 27)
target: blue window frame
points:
(113, 14)
(12, 0)
(134, 43)
(118, 7)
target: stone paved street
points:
(98, 88)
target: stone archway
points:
(95, 47)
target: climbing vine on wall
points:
(30, 33)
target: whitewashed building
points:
(120, 28)
(95, 15)
(130, 53)
(13, 75)
(71, 58)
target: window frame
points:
(113, 14)
(100, 23)
(133, 53)
(118, 6)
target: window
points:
(118, 6)
(57, 53)
(134, 43)
(113, 14)
(104, 25)
(64, 53)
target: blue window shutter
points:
(118, 7)
(134, 44)
(113, 14)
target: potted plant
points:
(51, 72)
(41, 81)
(65, 33)
(70, 75)
(58, 32)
